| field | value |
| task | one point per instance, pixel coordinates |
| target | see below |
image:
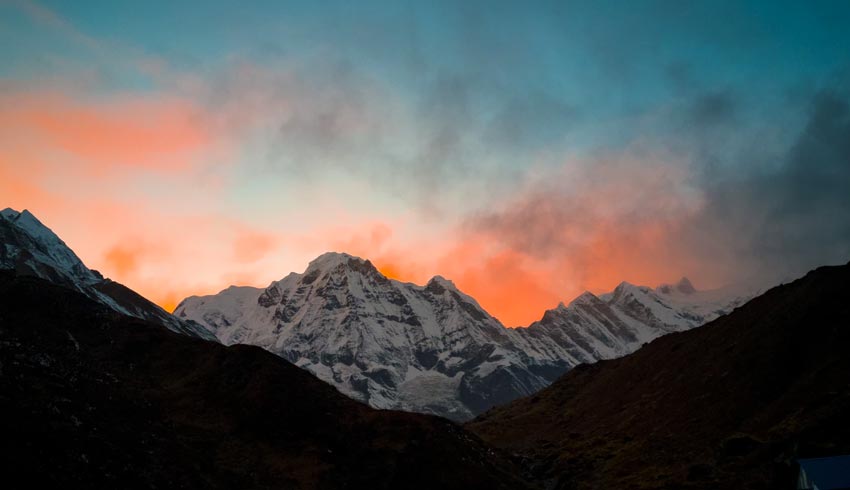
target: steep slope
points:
(425, 348)
(90, 398)
(432, 348)
(29, 247)
(727, 405)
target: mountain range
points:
(433, 348)
(394, 345)
(98, 391)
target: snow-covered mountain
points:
(429, 348)
(432, 348)
(611, 325)
(30, 248)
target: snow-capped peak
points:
(331, 260)
(585, 298)
(26, 221)
(684, 286)
(442, 281)
(30, 237)
(439, 285)
(29, 247)
(9, 213)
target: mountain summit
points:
(425, 348)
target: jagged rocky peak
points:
(29, 223)
(624, 289)
(585, 298)
(33, 247)
(329, 268)
(684, 286)
(583, 301)
(439, 285)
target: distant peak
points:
(439, 284)
(26, 217)
(442, 281)
(10, 213)
(47, 248)
(21, 216)
(684, 286)
(27, 222)
(585, 298)
(334, 256)
(331, 260)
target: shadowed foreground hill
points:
(93, 399)
(727, 405)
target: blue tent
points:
(831, 473)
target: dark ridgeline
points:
(728, 405)
(91, 398)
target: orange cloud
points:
(507, 283)
(159, 133)
(122, 260)
(169, 301)
(585, 225)
(251, 246)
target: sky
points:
(528, 151)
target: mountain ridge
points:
(441, 352)
(395, 345)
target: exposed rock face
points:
(432, 348)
